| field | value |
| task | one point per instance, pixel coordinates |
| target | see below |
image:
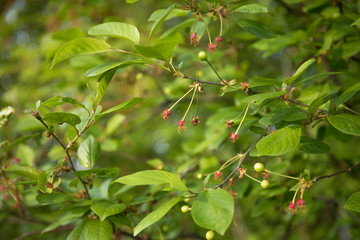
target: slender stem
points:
(336, 173)
(297, 190)
(230, 161)
(282, 175)
(216, 73)
(304, 105)
(221, 23)
(252, 178)
(208, 33)
(181, 98)
(239, 165)
(198, 80)
(242, 120)
(192, 99)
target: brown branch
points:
(336, 173)
(239, 165)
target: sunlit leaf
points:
(88, 152)
(62, 117)
(116, 30)
(252, 8)
(353, 202)
(160, 20)
(345, 123)
(106, 208)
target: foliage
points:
(85, 154)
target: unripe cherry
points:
(202, 56)
(259, 167)
(185, 208)
(210, 235)
(264, 184)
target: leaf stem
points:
(282, 175)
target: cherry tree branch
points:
(239, 165)
(336, 173)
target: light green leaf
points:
(62, 117)
(155, 215)
(58, 100)
(259, 98)
(162, 51)
(213, 209)
(160, 20)
(68, 34)
(80, 46)
(99, 230)
(260, 81)
(252, 8)
(122, 106)
(79, 232)
(52, 198)
(175, 13)
(277, 116)
(131, 1)
(313, 146)
(317, 102)
(23, 171)
(99, 172)
(150, 177)
(108, 66)
(348, 94)
(279, 142)
(106, 208)
(116, 30)
(299, 71)
(88, 152)
(353, 202)
(102, 84)
(256, 28)
(345, 123)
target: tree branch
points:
(336, 173)
(198, 80)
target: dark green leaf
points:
(259, 98)
(108, 66)
(279, 142)
(52, 198)
(213, 209)
(116, 30)
(122, 106)
(99, 230)
(277, 116)
(155, 215)
(348, 94)
(256, 28)
(160, 20)
(62, 117)
(80, 46)
(100, 172)
(58, 100)
(345, 123)
(353, 202)
(162, 51)
(313, 146)
(106, 208)
(317, 102)
(79, 232)
(88, 152)
(260, 81)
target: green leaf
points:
(58, 100)
(116, 30)
(259, 98)
(162, 51)
(299, 71)
(80, 46)
(277, 116)
(99, 230)
(62, 117)
(18, 141)
(23, 171)
(106, 208)
(155, 215)
(150, 177)
(356, 22)
(122, 106)
(108, 66)
(315, 76)
(79, 232)
(52, 198)
(279, 142)
(353, 202)
(61, 221)
(345, 123)
(313, 146)
(88, 152)
(100, 172)
(260, 81)
(68, 34)
(213, 209)
(102, 84)
(161, 19)
(175, 13)
(256, 28)
(348, 94)
(252, 8)
(317, 102)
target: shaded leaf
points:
(52, 198)
(160, 20)
(175, 13)
(106, 208)
(102, 84)
(79, 232)
(348, 94)
(62, 117)
(23, 171)
(277, 116)
(116, 30)
(279, 142)
(122, 106)
(58, 100)
(256, 28)
(79, 46)
(99, 230)
(162, 51)
(345, 123)
(100, 69)
(88, 152)
(18, 141)
(213, 209)
(299, 71)
(317, 102)
(259, 98)
(100, 172)
(155, 215)
(313, 146)
(260, 81)
(252, 8)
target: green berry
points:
(187, 200)
(210, 235)
(185, 208)
(202, 56)
(199, 176)
(265, 184)
(259, 167)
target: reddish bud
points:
(300, 202)
(233, 137)
(229, 123)
(217, 174)
(211, 47)
(194, 40)
(292, 205)
(219, 40)
(181, 126)
(165, 114)
(195, 121)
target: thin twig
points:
(336, 173)
(202, 81)
(239, 165)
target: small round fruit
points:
(210, 235)
(187, 200)
(199, 176)
(202, 56)
(265, 184)
(185, 208)
(259, 167)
